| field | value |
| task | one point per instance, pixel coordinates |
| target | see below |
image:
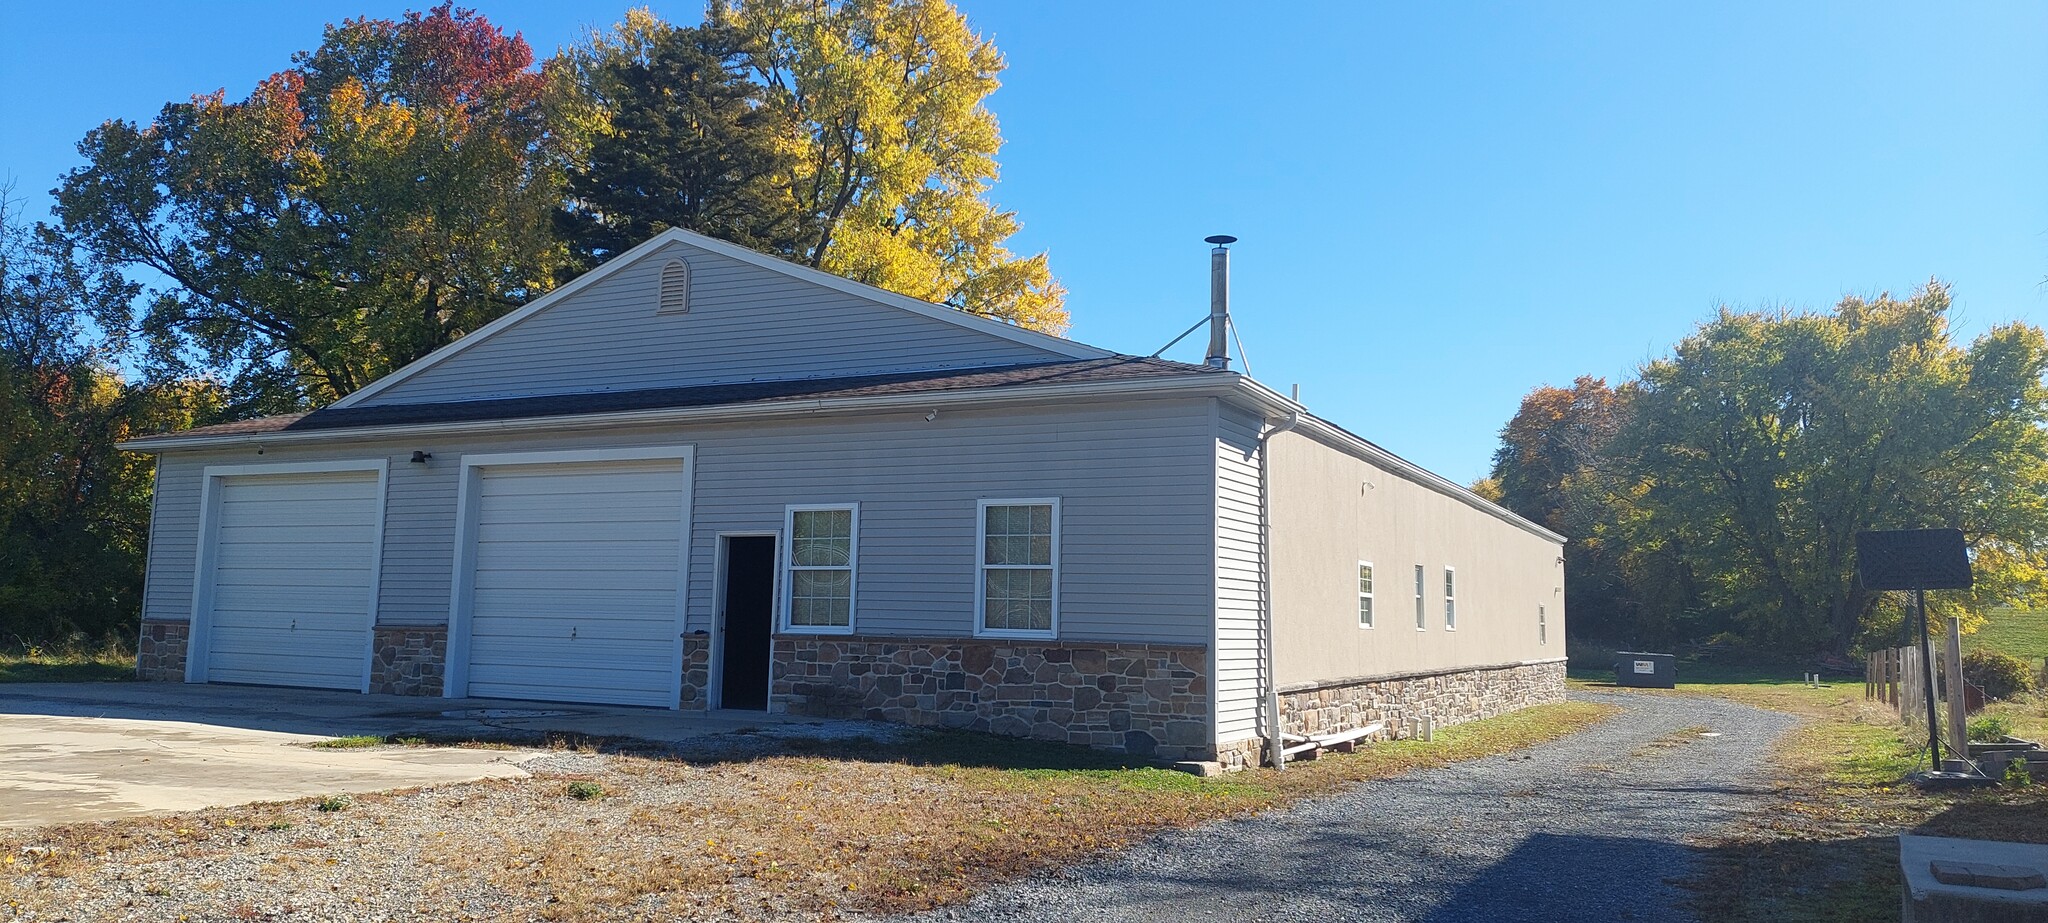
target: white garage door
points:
(293, 570)
(577, 570)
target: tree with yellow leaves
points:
(894, 150)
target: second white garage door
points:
(576, 576)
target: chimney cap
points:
(1220, 239)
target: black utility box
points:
(1651, 671)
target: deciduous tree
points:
(1748, 460)
(74, 511)
(895, 150)
(389, 192)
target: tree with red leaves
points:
(389, 192)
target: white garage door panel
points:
(575, 583)
(294, 564)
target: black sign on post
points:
(1917, 560)
(1912, 559)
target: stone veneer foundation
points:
(408, 659)
(696, 671)
(1147, 700)
(160, 652)
(1445, 697)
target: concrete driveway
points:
(91, 751)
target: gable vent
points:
(675, 288)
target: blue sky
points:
(1440, 208)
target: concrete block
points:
(1950, 880)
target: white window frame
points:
(790, 567)
(1367, 615)
(1421, 607)
(1450, 598)
(1542, 625)
(981, 568)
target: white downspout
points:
(1275, 744)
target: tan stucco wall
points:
(1331, 510)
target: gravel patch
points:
(1593, 827)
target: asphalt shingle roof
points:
(1080, 371)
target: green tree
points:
(1767, 441)
(1553, 467)
(389, 192)
(894, 150)
(74, 511)
(1721, 491)
(688, 141)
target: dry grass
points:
(824, 828)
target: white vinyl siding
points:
(1450, 599)
(1365, 594)
(1018, 586)
(293, 574)
(575, 581)
(675, 287)
(1136, 534)
(819, 578)
(743, 323)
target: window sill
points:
(816, 630)
(1010, 634)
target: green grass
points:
(1824, 847)
(108, 663)
(2019, 632)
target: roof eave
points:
(1337, 437)
(1189, 385)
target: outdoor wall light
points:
(420, 458)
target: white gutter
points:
(1205, 385)
(1189, 385)
(1276, 746)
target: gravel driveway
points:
(1593, 827)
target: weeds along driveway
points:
(1592, 827)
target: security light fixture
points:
(420, 458)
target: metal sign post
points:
(1927, 669)
(1917, 560)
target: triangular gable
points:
(750, 317)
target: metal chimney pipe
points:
(1219, 301)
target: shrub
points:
(1990, 727)
(2018, 775)
(586, 791)
(2001, 676)
(334, 803)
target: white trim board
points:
(1052, 344)
(1234, 386)
(198, 640)
(462, 581)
